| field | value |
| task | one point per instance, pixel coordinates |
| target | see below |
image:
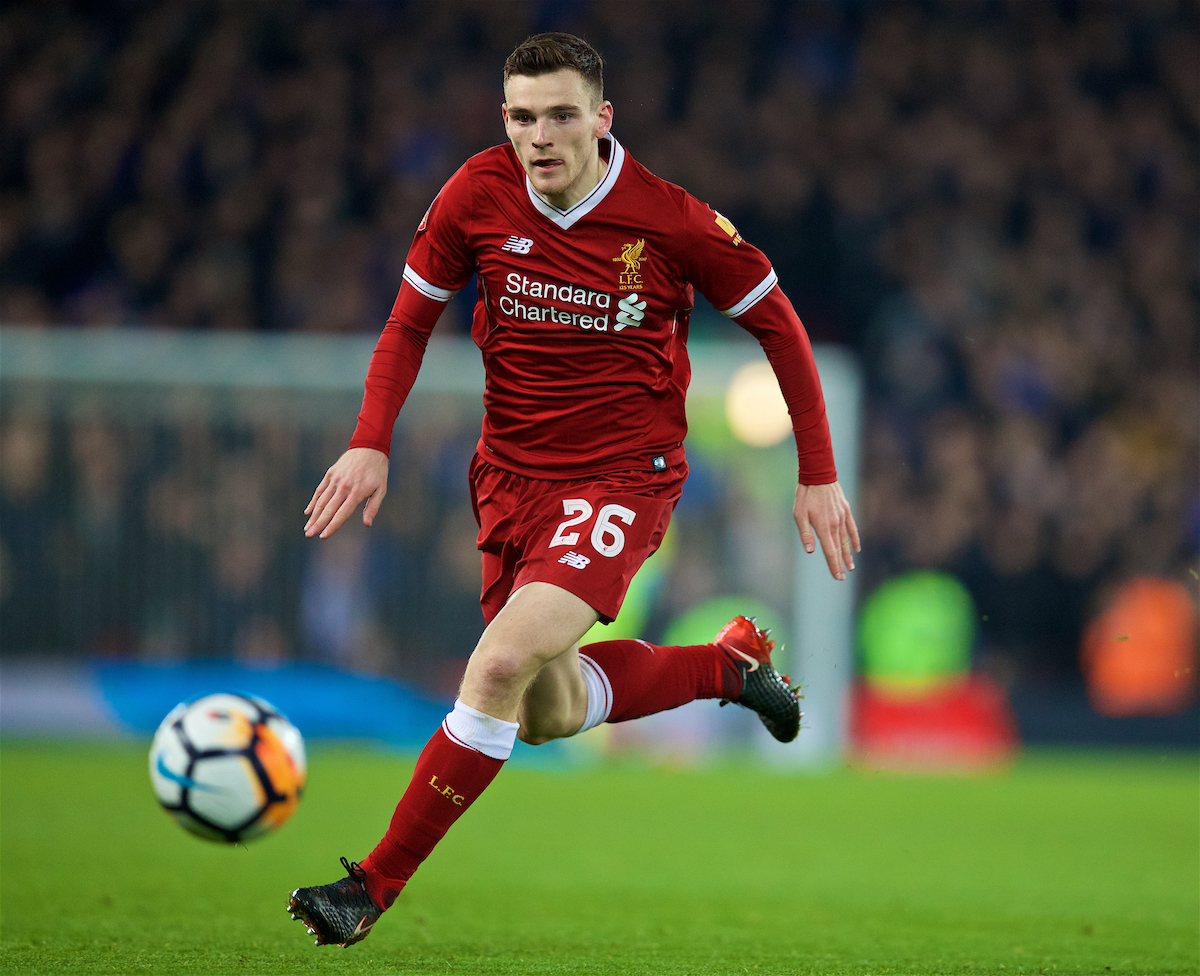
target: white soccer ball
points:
(228, 767)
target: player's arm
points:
(361, 473)
(439, 253)
(738, 279)
(821, 509)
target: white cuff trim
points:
(753, 297)
(426, 289)
(600, 697)
(472, 728)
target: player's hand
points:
(823, 510)
(359, 474)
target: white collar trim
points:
(565, 218)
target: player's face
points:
(555, 129)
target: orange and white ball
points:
(228, 767)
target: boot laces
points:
(355, 871)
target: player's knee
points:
(505, 668)
(501, 672)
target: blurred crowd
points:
(996, 202)
(173, 538)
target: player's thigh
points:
(540, 622)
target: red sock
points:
(447, 780)
(646, 678)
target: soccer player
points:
(586, 263)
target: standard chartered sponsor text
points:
(517, 284)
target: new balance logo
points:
(574, 560)
(518, 245)
(631, 312)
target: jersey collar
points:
(565, 218)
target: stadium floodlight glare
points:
(755, 408)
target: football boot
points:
(764, 690)
(341, 913)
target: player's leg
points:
(615, 681)
(539, 622)
(628, 679)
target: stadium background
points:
(993, 204)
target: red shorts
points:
(588, 535)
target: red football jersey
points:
(582, 318)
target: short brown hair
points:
(543, 54)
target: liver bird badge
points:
(631, 278)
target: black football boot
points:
(341, 913)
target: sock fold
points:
(599, 691)
(472, 728)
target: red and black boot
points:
(764, 690)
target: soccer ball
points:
(228, 767)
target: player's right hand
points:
(359, 474)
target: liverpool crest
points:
(631, 278)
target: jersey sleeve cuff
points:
(367, 439)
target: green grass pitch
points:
(1066, 863)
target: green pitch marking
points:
(1066, 864)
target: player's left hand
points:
(823, 510)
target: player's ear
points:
(604, 122)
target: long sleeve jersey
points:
(582, 318)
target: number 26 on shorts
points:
(608, 538)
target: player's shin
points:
(454, 768)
